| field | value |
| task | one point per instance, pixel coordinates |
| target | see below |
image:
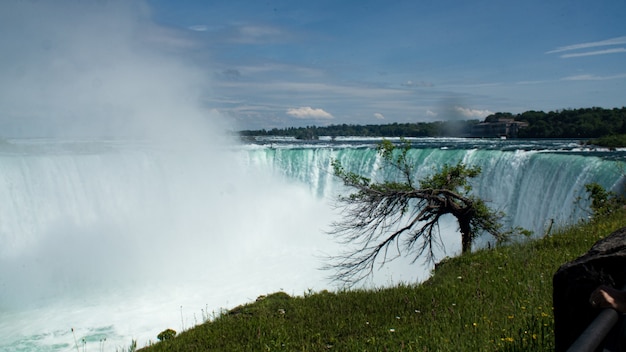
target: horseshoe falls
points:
(112, 241)
(534, 182)
(106, 241)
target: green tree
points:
(401, 213)
(167, 334)
(603, 202)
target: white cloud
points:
(199, 28)
(584, 46)
(251, 34)
(597, 52)
(309, 112)
(323, 89)
(418, 84)
(431, 113)
(607, 42)
(593, 77)
(531, 82)
(379, 116)
(472, 113)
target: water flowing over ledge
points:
(534, 182)
(122, 239)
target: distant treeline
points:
(576, 123)
(569, 123)
(420, 129)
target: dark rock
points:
(573, 283)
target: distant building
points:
(508, 128)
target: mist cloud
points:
(80, 68)
(472, 113)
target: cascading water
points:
(125, 222)
(533, 184)
(123, 239)
(535, 188)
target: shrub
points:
(166, 335)
(603, 202)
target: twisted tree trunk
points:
(466, 234)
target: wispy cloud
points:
(379, 116)
(593, 77)
(309, 112)
(472, 113)
(532, 82)
(417, 84)
(278, 69)
(199, 28)
(316, 88)
(612, 41)
(259, 34)
(597, 52)
(588, 45)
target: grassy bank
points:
(490, 300)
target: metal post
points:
(595, 333)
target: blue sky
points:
(267, 64)
(294, 63)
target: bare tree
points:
(399, 213)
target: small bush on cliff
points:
(603, 202)
(166, 335)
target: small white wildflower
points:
(392, 330)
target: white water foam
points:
(123, 240)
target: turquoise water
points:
(534, 182)
(120, 240)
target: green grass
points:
(490, 300)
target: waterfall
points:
(122, 239)
(131, 238)
(533, 187)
